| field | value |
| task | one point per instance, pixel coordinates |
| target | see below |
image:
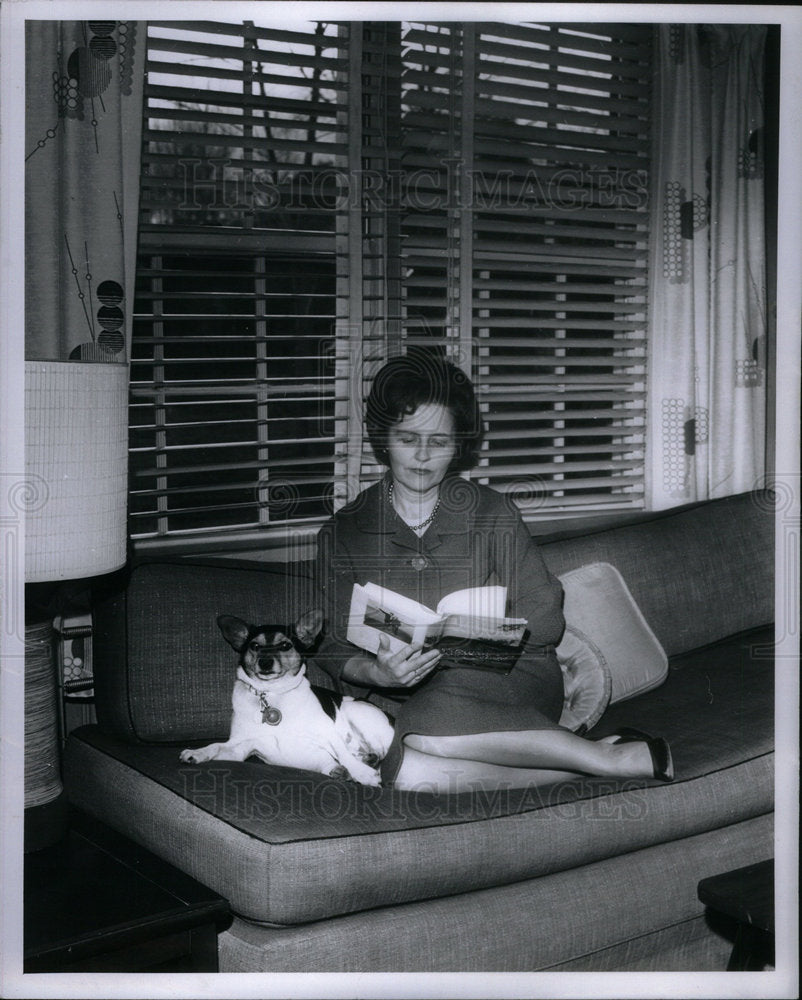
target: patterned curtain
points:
(83, 121)
(708, 302)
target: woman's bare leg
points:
(554, 749)
(423, 772)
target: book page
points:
(508, 631)
(376, 611)
(475, 602)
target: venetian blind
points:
(300, 187)
(525, 158)
(237, 410)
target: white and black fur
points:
(281, 718)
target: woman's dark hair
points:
(407, 382)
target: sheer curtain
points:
(82, 130)
(708, 301)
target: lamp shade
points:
(76, 466)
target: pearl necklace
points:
(414, 527)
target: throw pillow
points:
(586, 679)
(603, 616)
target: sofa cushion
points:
(287, 847)
(600, 610)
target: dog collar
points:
(270, 714)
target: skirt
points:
(460, 701)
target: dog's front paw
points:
(354, 772)
(365, 775)
(198, 756)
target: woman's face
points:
(421, 447)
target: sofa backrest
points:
(698, 573)
(163, 672)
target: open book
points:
(469, 626)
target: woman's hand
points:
(407, 667)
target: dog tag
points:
(270, 715)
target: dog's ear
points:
(235, 631)
(308, 627)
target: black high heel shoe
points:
(659, 750)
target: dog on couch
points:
(281, 718)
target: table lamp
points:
(76, 462)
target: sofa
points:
(325, 875)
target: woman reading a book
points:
(423, 532)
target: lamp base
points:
(45, 801)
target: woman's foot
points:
(660, 763)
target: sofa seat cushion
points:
(289, 847)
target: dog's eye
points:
(282, 646)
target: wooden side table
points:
(746, 895)
(97, 902)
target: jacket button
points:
(419, 562)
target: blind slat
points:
(533, 111)
(614, 480)
(600, 134)
(208, 468)
(573, 432)
(623, 41)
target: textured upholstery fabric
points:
(600, 608)
(163, 672)
(698, 574)
(341, 847)
(690, 945)
(529, 926)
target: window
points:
(313, 201)
(525, 240)
(234, 406)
